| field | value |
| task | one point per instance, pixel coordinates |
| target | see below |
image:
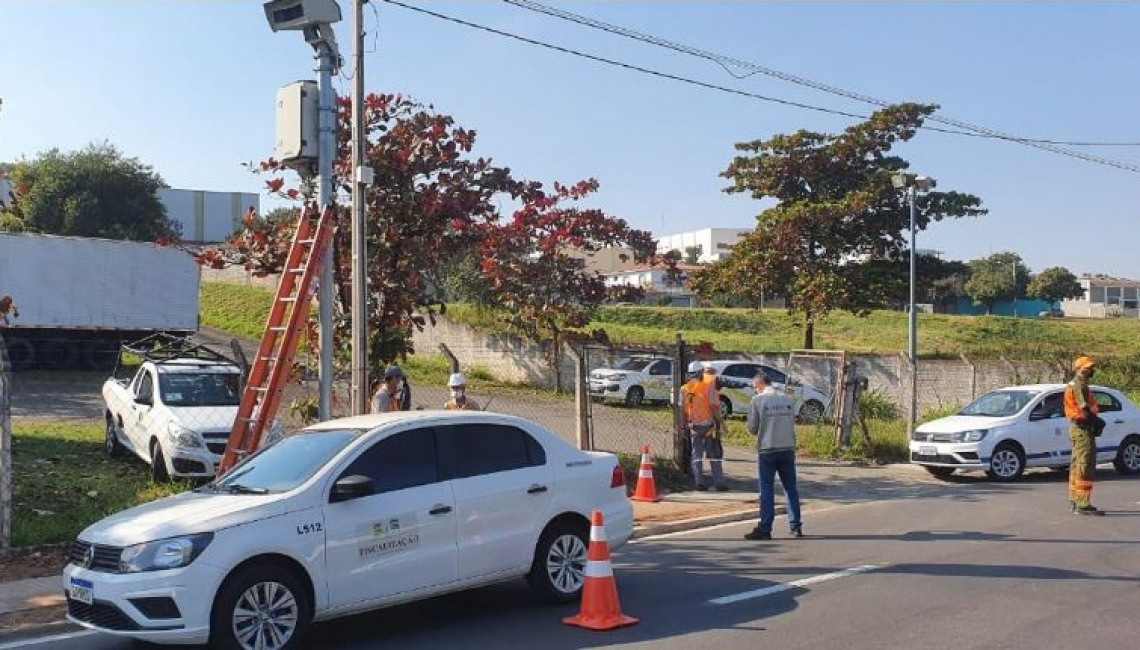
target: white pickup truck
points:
(176, 412)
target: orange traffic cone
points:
(600, 607)
(646, 486)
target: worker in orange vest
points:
(700, 418)
(1084, 427)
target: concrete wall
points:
(507, 357)
(941, 383)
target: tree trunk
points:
(809, 331)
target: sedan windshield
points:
(999, 403)
(285, 464)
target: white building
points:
(714, 243)
(207, 217)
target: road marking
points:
(775, 589)
(46, 639)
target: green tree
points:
(94, 192)
(434, 225)
(1054, 284)
(692, 254)
(1001, 276)
(837, 216)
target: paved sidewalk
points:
(823, 484)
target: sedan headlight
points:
(616, 376)
(181, 436)
(164, 554)
(970, 436)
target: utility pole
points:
(362, 177)
(327, 149)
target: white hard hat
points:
(457, 379)
(696, 366)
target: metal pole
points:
(912, 323)
(1015, 288)
(327, 149)
(359, 243)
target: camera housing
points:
(299, 15)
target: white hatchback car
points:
(346, 516)
(1007, 430)
(734, 381)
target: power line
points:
(620, 64)
(725, 62)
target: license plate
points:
(928, 450)
(81, 590)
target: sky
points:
(190, 88)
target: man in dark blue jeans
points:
(771, 418)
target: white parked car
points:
(734, 381)
(634, 380)
(346, 516)
(1007, 430)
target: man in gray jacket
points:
(771, 418)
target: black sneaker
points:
(757, 535)
(797, 532)
(702, 488)
(1089, 510)
(722, 488)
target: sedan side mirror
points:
(143, 399)
(351, 487)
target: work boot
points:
(756, 534)
(1088, 510)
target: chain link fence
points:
(5, 448)
(631, 394)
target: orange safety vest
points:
(1072, 408)
(697, 396)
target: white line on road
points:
(775, 589)
(27, 643)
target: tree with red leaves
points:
(433, 201)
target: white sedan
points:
(346, 516)
(1007, 430)
(734, 381)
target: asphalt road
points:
(976, 565)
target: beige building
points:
(1105, 297)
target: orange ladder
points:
(287, 317)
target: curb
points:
(695, 523)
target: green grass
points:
(62, 482)
(241, 309)
(235, 308)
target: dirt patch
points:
(668, 511)
(31, 618)
(42, 563)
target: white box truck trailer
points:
(78, 299)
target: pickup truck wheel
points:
(111, 445)
(634, 396)
(158, 471)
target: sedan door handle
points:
(1118, 421)
(439, 509)
(536, 489)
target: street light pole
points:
(912, 325)
(912, 321)
(912, 184)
